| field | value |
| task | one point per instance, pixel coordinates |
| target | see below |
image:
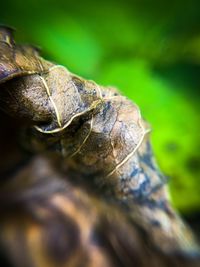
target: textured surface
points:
(88, 139)
(151, 55)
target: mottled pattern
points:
(89, 193)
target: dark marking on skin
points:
(79, 85)
(142, 191)
(147, 157)
(155, 223)
(153, 204)
(4, 74)
(106, 108)
(135, 171)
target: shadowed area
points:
(48, 221)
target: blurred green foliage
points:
(148, 49)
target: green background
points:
(150, 50)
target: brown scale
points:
(90, 192)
